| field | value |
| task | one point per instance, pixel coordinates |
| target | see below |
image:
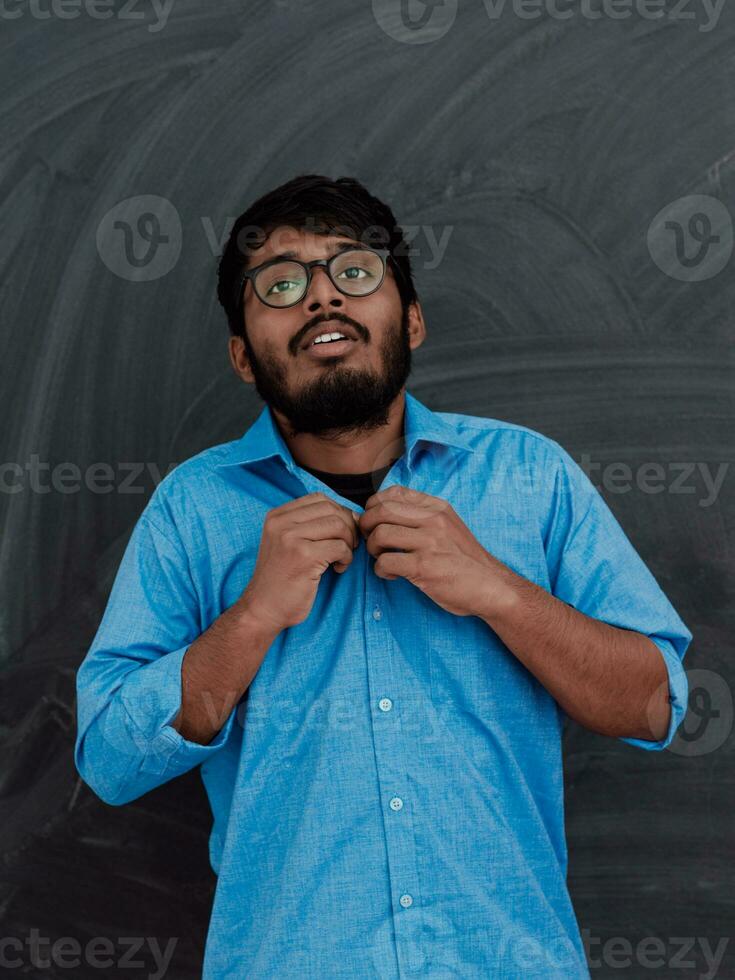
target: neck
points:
(349, 452)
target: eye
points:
(285, 283)
(353, 268)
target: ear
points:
(239, 359)
(416, 325)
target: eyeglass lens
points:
(356, 272)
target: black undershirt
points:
(356, 487)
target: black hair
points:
(324, 206)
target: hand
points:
(440, 555)
(299, 541)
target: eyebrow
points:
(340, 247)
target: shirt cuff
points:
(151, 696)
(678, 695)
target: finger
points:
(401, 493)
(309, 500)
(305, 501)
(321, 509)
(395, 564)
(393, 537)
(328, 526)
(331, 550)
(393, 512)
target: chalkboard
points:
(566, 175)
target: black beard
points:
(343, 399)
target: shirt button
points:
(377, 614)
(385, 704)
(406, 901)
(396, 803)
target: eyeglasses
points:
(281, 283)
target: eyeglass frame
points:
(384, 254)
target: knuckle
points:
(301, 550)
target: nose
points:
(321, 292)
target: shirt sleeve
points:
(129, 683)
(594, 567)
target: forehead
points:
(298, 243)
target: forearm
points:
(612, 681)
(218, 668)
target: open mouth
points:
(329, 348)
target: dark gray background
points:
(546, 146)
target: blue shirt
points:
(387, 796)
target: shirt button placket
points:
(393, 755)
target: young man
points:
(366, 620)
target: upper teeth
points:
(324, 337)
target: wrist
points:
(500, 594)
(253, 620)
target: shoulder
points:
(499, 436)
(179, 495)
(529, 469)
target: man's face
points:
(316, 391)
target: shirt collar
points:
(263, 439)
